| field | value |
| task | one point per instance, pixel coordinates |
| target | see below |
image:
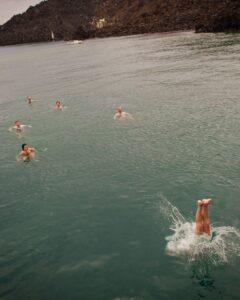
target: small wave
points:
(222, 247)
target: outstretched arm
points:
(29, 126)
(116, 116)
(33, 150)
(19, 156)
(128, 115)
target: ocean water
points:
(105, 210)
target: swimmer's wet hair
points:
(23, 145)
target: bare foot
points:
(206, 201)
(199, 202)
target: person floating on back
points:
(120, 114)
(58, 105)
(18, 126)
(27, 153)
(202, 219)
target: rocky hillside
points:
(66, 19)
(81, 19)
(218, 16)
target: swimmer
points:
(27, 153)
(202, 219)
(29, 100)
(120, 114)
(19, 126)
(58, 105)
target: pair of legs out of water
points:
(202, 218)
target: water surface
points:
(85, 220)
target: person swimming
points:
(202, 218)
(29, 100)
(58, 105)
(19, 126)
(120, 114)
(27, 153)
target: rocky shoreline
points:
(83, 19)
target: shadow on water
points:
(203, 280)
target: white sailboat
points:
(74, 42)
(52, 36)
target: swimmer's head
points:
(119, 109)
(29, 98)
(18, 123)
(24, 147)
(58, 103)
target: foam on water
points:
(125, 115)
(222, 247)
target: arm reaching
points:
(19, 156)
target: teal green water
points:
(85, 220)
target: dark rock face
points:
(65, 18)
(219, 16)
(143, 16)
(81, 19)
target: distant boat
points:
(74, 42)
(52, 36)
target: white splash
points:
(122, 116)
(221, 247)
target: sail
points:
(52, 35)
